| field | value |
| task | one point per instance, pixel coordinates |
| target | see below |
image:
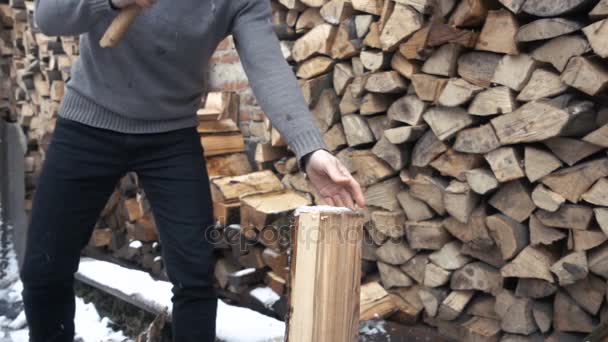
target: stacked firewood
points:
(6, 52)
(479, 131)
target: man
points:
(132, 108)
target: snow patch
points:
(265, 295)
(251, 327)
(324, 209)
(244, 272)
(135, 244)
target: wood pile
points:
(478, 129)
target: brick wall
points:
(227, 74)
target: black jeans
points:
(82, 167)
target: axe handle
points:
(119, 26)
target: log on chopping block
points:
(325, 275)
(119, 27)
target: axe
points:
(119, 27)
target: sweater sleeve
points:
(69, 17)
(271, 78)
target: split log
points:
(395, 156)
(515, 71)
(483, 306)
(474, 233)
(431, 299)
(589, 293)
(449, 257)
(469, 13)
(601, 216)
(392, 276)
(375, 302)
(447, 121)
(598, 194)
(571, 268)
(368, 6)
(336, 11)
(571, 151)
(479, 140)
(586, 75)
(568, 316)
(459, 201)
(314, 67)
(404, 134)
(497, 100)
(498, 33)
(542, 29)
(444, 61)
(430, 190)
(316, 41)
(548, 8)
(427, 149)
(428, 87)
(478, 67)
(325, 112)
(325, 261)
(505, 164)
(515, 313)
(402, 22)
(569, 216)
(543, 315)
(404, 66)
(457, 92)
(373, 103)
(542, 84)
(456, 164)
(384, 194)
(390, 223)
(509, 235)
(227, 189)
(415, 209)
(539, 163)
(385, 82)
(596, 34)
(453, 305)
(598, 137)
(271, 208)
(335, 138)
(368, 168)
(558, 51)
(435, 276)
(416, 267)
(573, 182)
(490, 255)
(357, 130)
(395, 252)
(534, 121)
(480, 329)
(584, 240)
(546, 199)
(477, 276)
(543, 235)
(531, 262)
(374, 60)
(408, 109)
(481, 181)
(427, 235)
(598, 261)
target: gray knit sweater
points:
(154, 80)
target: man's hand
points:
(140, 3)
(333, 181)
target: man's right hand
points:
(140, 3)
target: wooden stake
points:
(325, 276)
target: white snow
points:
(244, 272)
(266, 296)
(90, 327)
(135, 244)
(324, 209)
(234, 324)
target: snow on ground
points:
(234, 324)
(90, 327)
